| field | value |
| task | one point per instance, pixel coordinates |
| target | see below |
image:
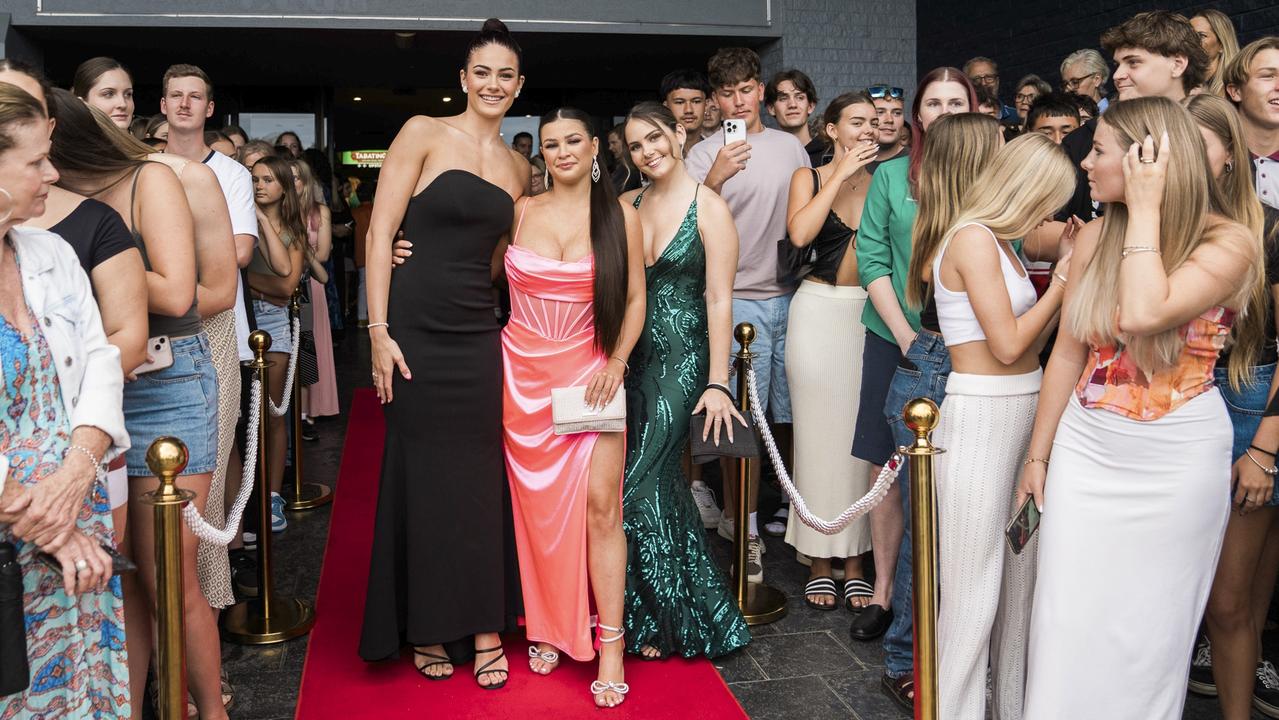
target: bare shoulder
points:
(1086, 241)
(712, 205)
(629, 213)
(1231, 236)
(973, 246)
(157, 174)
(418, 132)
(628, 197)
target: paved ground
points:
(804, 665)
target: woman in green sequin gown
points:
(677, 600)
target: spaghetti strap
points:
(640, 197)
(520, 222)
(817, 181)
(133, 194)
(696, 188)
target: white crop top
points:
(955, 314)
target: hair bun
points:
(493, 25)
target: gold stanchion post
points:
(760, 604)
(921, 416)
(167, 457)
(267, 618)
(305, 496)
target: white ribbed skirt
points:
(824, 339)
(985, 589)
(1134, 515)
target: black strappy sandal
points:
(482, 671)
(438, 660)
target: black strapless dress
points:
(443, 565)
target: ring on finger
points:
(81, 565)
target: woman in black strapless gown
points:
(443, 576)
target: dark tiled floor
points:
(803, 666)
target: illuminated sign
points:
(364, 158)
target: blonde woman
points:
(1232, 666)
(1136, 432)
(993, 324)
(1217, 34)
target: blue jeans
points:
(931, 366)
(1246, 408)
(770, 318)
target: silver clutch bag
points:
(571, 414)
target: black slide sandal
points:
(821, 586)
(439, 660)
(482, 671)
(855, 588)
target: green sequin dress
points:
(677, 600)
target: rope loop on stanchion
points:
(874, 496)
(279, 410)
(222, 536)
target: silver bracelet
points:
(381, 324)
(97, 464)
(1271, 471)
(1134, 249)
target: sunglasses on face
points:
(878, 92)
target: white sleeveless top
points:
(955, 314)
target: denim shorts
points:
(1246, 407)
(922, 373)
(180, 400)
(274, 320)
(872, 438)
(770, 318)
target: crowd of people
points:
(134, 270)
(1084, 281)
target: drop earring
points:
(464, 90)
(1230, 167)
(546, 179)
(595, 169)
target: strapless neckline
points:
(466, 173)
(586, 258)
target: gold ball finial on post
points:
(745, 334)
(259, 343)
(921, 416)
(167, 457)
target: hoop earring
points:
(8, 213)
(595, 169)
(464, 90)
(1230, 167)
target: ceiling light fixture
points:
(357, 98)
(448, 99)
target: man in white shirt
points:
(753, 176)
(1252, 83)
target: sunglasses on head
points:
(879, 91)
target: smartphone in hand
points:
(734, 130)
(1023, 526)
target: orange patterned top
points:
(1113, 382)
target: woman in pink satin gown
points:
(576, 273)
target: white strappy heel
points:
(550, 657)
(599, 687)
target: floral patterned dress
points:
(75, 646)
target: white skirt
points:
(1134, 515)
(824, 339)
(985, 588)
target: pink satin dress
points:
(549, 343)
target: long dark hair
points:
(608, 243)
(90, 70)
(495, 32)
(80, 145)
(291, 213)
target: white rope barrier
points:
(865, 504)
(201, 527)
(279, 410)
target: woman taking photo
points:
(279, 220)
(576, 273)
(1245, 376)
(451, 183)
(178, 400)
(1153, 291)
(105, 84)
(677, 601)
(55, 449)
(824, 340)
(993, 324)
(883, 258)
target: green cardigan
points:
(883, 239)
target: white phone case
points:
(734, 130)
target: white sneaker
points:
(705, 501)
(755, 560)
(725, 527)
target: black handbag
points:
(745, 442)
(14, 672)
(794, 263)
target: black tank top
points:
(831, 243)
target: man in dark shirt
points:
(984, 72)
(790, 97)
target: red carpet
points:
(336, 683)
